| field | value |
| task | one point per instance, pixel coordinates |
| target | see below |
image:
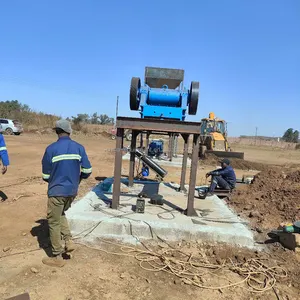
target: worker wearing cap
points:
(65, 164)
(3, 153)
(224, 178)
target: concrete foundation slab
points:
(91, 217)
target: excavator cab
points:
(209, 126)
(214, 138)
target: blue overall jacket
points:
(64, 164)
(3, 151)
(227, 174)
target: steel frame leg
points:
(184, 161)
(190, 211)
(147, 142)
(175, 145)
(132, 157)
(141, 140)
(171, 146)
(118, 169)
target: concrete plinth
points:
(91, 217)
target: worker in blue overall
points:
(3, 153)
(65, 164)
(224, 178)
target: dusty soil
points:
(94, 274)
(236, 163)
(271, 199)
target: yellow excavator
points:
(214, 138)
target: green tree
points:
(289, 135)
(296, 136)
(81, 118)
(95, 118)
(105, 119)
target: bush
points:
(297, 147)
(30, 119)
(38, 121)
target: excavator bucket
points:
(226, 154)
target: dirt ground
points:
(94, 274)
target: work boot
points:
(70, 246)
(54, 261)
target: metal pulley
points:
(194, 96)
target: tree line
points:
(96, 119)
(13, 109)
(291, 136)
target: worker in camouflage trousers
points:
(3, 153)
(65, 164)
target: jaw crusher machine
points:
(163, 95)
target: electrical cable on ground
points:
(257, 276)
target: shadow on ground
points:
(41, 232)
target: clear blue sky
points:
(68, 57)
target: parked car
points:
(11, 126)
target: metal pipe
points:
(151, 164)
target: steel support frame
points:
(132, 156)
(171, 146)
(118, 169)
(149, 125)
(184, 161)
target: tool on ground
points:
(163, 95)
(140, 205)
(292, 228)
(287, 228)
(214, 138)
(157, 199)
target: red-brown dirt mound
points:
(273, 198)
(236, 163)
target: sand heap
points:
(236, 163)
(274, 197)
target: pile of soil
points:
(273, 198)
(236, 163)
